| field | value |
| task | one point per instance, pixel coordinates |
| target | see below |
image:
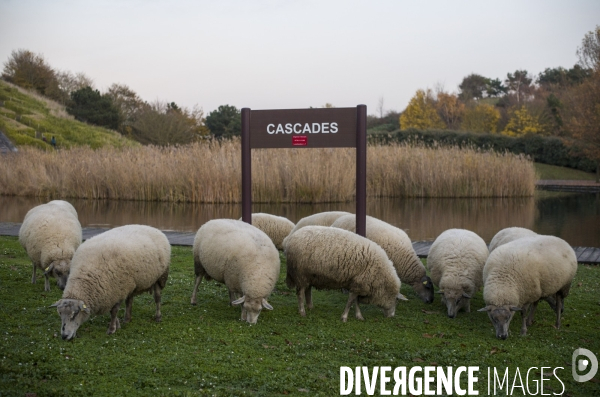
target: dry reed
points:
(210, 172)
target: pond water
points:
(572, 217)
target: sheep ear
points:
(515, 309)
(440, 292)
(48, 270)
(485, 309)
(401, 297)
(466, 296)
(84, 307)
(266, 304)
(55, 304)
(239, 301)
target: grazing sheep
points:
(276, 227)
(50, 234)
(318, 219)
(397, 245)
(332, 258)
(509, 234)
(455, 262)
(513, 233)
(243, 258)
(520, 273)
(111, 267)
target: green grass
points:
(207, 350)
(546, 171)
(22, 114)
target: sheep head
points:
(72, 313)
(500, 316)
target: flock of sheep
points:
(519, 268)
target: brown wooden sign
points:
(309, 128)
(306, 128)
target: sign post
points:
(306, 128)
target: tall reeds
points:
(210, 172)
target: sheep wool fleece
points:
(116, 264)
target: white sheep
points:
(332, 258)
(455, 262)
(50, 234)
(319, 219)
(243, 258)
(397, 245)
(520, 273)
(509, 234)
(276, 227)
(111, 267)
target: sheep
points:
(50, 234)
(509, 234)
(520, 273)
(332, 258)
(243, 258)
(455, 262)
(276, 227)
(318, 219)
(397, 245)
(111, 267)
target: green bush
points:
(542, 149)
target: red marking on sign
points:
(299, 140)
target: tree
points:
(225, 122)
(581, 117)
(450, 109)
(480, 118)
(519, 83)
(163, 123)
(472, 87)
(69, 82)
(128, 104)
(30, 71)
(589, 52)
(495, 88)
(89, 106)
(521, 122)
(421, 112)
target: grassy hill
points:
(25, 117)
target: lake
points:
(572, 217)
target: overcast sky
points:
(269, 54)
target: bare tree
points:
(589, 52)
(380, 107)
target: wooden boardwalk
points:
(589, 255)
(568, 186)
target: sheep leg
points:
(531, 313)
(524, 317)
(157, 297)
(352, 297)
(357, 310)
(114, 320)
(33, 276)
(308, 297)
(196, 285)
(300, 293)
(559, 308)
(232, 296)
(128, 307)
(46, 283)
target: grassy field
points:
(22, 113)
(207, 350)
(546, 171)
